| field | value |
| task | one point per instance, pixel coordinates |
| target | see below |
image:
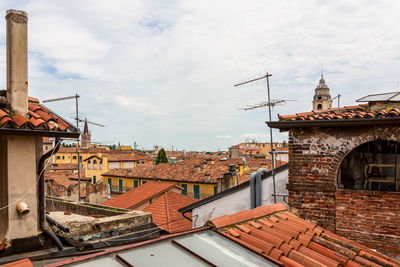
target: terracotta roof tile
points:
(126, 157)
(138, 195)
(348, 112)
(276, 233)
(38, 117)
(175, 172)
(165, 212)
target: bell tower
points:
(322, 97)
(86, 136)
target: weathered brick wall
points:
(371, 218)
(314, 158)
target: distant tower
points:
(322, 98)
(86, 136)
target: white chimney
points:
(17, 61)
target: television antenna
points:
(338, 99)
(270, 104)
(77, 119)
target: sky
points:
(162, 72)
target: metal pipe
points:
(258, 188)
(57, 224)
(42, 211)
(253, 190)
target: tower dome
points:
(322, 97)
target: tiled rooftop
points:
(138, 195)
(345, 113)
(180, 172)
(63, 166)
(83, 150)
(165, 212)
(274, 232)
(39, 118)
(126, 157)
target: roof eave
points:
(286, 125)
(19, 131)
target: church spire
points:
(86, 128)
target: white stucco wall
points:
(128, 164)
(113, 165)
(240, 200)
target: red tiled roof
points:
(165, 212)
(19, 263)
(349, 112)
(47, 140)
(179, 172)
(138, 195)
(83, 150)
(126, 157)
(39, 118)
(274, 232)
(63, 166)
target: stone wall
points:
(315, 155)
(55, 204)
(370, 218)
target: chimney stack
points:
(17, 61)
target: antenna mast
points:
(269, 104)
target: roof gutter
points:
(286, 125)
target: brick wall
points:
(315, 155)
(371, 218)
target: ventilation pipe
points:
(255, 188)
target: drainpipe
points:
(259, 173)
(42, 212)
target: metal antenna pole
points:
(270, 103)
(77, 149)
(270, 134)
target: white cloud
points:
(163, 71)
(223, 137)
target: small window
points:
(63, 157)
(101, 165)
(80, 157)
(94, 179)
(74, 157)
(58, 157)
(135, 183)
(184, 190)
(46, 147)
(143, 182)
(319, 106)
(120, 185)
(95, 165)
(89, 166)
(320, 97)
(196, 191)
(215, 190)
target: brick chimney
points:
(17, 61)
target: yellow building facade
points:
(196, 190)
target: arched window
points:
(372, 166)
(101, 165)
(95, 165)
(89, 166)
(319, 106)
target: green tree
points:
(161, 157)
